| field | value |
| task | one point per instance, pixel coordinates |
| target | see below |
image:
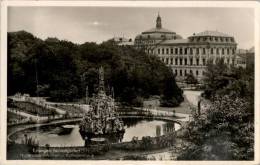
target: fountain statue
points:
(101, 120)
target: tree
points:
(226, 124)
(65, 69)
(190, 79)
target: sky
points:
(98, 24)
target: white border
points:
(3, 64)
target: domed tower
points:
(149, 39)
(158, 22)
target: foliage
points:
(190, 79)
(225, 129)
(63, 70)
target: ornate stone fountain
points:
(101, 120)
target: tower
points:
(158, 22)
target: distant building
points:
(187, 56)
(122, 41)
(245, 57)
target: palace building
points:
(190, 55)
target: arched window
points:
(197, 50)
(185, 50)
(197, 72)
(203, 51)
(212, 51)
(191, 50)
(180, 50)
(176, 50)
(204, 61)
(176, 61)
(181, 61)
(217, 50)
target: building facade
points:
(190, 55)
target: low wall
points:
(148, 143)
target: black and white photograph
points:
(116, 83)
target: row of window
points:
(216, 39)
(185, 61)
(186, 51)
(184, 72)
(180, 61)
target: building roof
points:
(177, 41)
(211, 33)
(158, 30)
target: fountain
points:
(101, 120)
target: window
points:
(191, 72)
(191, 51)
(176, 61)
(180, 72)
(185, 61)
(197, 50)
(176, 50)
(228, 61)
(217, 50)
(159, 51)
(223, 51)
(212, 51)
(176, 72)
(171, 61)
(185, 72)
(180, 50)
(167, 60)
(171, 50)
(233, 51)
(186, 51)
(167, 51)
(197, 72)
(181, 61)
(204, 51)
(227, 50)
(204, 61)
(148, 36)
(197, 61)
(191, 61)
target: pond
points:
(133, 127)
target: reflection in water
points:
(133, 127)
